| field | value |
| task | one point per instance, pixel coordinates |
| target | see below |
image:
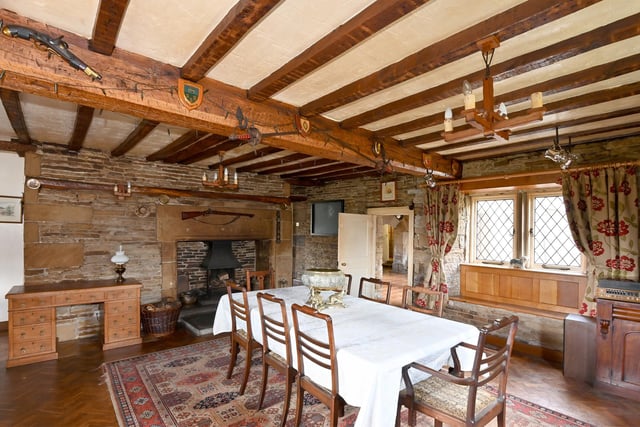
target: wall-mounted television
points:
(324, 217)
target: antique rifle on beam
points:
(189, 215)
(45, 42)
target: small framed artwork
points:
(388, 191)
(324, 217)
(10, 209)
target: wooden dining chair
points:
(320, 352)
(423, 300)
(258, 280)
(349, 278)
(463, 401)
(381, 290)
(275, 331)
(241, 335)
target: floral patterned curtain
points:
(602, 209)
(441, 215)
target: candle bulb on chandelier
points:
(204, 177)
(226, 175)
(235, 177)
(469, 97)
(448, 120)
(536, 100)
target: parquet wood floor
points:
(69, 392)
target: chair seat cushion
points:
(449, 397)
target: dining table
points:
(373, 342)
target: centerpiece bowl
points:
(320, 280)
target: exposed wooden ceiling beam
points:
(371, 20)
(273, 162)
(205, 143)
(306, 165)
(11, 104)
(506, 25)
(128, 86)
(180, 143)
(612, 33)
(225, 145)
(144, 127)
(107, 26)
(238, 21)
(320, 170)
(262, 152)
(84, 117)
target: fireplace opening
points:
(205, 265)
(203, 268)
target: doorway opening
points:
(394, 247)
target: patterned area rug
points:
(187, 387)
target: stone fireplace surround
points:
(273, 246)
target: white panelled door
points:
(356, 246)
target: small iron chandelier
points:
(429, 179)
(559, 155)
(222, 177)
(490, 121)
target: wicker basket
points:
(159, 319)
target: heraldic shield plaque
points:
(190, 93)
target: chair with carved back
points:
(381, 290)
(275, 332)
(349, 278)
(423, 300)
(463, 401)
(259, 280)
(316, 349)
(241, 334)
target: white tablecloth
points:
(373, 342)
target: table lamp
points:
(120, 259)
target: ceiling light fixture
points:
(221, 177)
(491, 122)
(559, 155)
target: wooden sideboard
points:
(32, 316)
(618, 347)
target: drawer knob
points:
(23, 350)
(22, 334)
(42, 318)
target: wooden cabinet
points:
(32, 316)
(618, 347)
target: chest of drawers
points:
(32, 316)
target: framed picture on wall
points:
(10, 209)
(388, 191)
(324, 217)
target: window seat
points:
(509, 307)
(546, 293)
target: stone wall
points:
(71, 233)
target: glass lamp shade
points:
(120, 257)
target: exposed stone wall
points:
(358, 195)
(71, 234)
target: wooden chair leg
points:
(233, 359)
(502, 418)
(247, 367)
(263, 387)
(291, 375)
(299, 397)
(335, 413)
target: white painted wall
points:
(11, 235)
